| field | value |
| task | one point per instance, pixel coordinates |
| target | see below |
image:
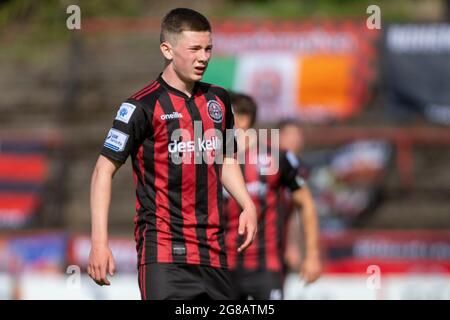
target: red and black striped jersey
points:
(171, 139)
(268, 193)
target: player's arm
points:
(311, 266)
(101, 259)
(291, 167)
(125, 136)
(292, 254)
(233, 181)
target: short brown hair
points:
(182, 19)
(287, 122)
(243, 104)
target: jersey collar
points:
(168, 87)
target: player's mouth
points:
(200, 70)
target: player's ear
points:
(166, 49)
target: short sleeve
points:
(290, 171)
(127, 132)
(230, 144)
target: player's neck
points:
(172, 79)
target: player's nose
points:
(203, 56)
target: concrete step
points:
(122, 208)
(410, 213)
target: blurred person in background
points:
(178, 225)
(258, 273)
(292, 139)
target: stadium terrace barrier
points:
(405, 139)
(24, 173)
(410, 264)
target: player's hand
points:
(247, 226)
(311, 269)
(101, 261)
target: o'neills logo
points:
(173, 115)
(189, 146)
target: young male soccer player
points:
(179, 223)
(258, 272)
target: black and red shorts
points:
(258, 284)
(166, 281)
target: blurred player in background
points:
(258, 272)
(179, 224)
(292, 139)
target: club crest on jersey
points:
(215, 111)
